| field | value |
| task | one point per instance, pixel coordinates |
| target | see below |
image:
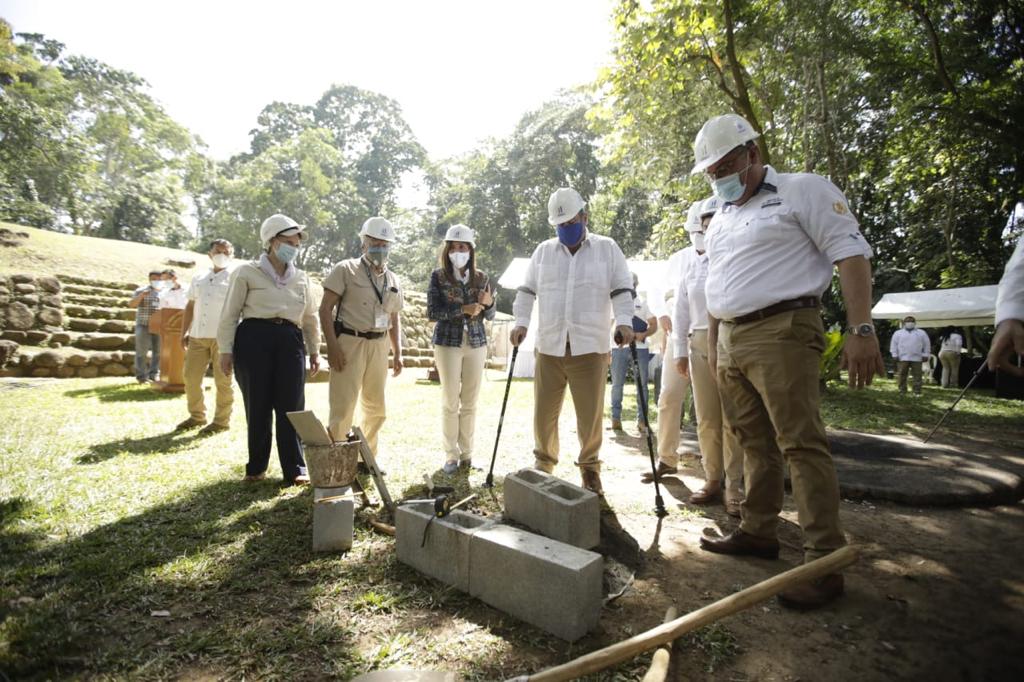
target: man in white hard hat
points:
(772, 248)
(362, 299)
(578, 279)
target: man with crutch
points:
(577, 279)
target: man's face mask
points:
(909, 326)
(698, 240)
(570, 234)
(378, 255)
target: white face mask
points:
(698, 240)
(459, 259)
(909, 326)
(220, 260)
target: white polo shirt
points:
(173, 298)
(780, 245)
(1010, 299)
(690, 312)
(208, 291)
(574, 294)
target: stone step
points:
(98, 283)
(97, 313)
(97, 300)
(64, 363)
(101, 341)
(106, 326)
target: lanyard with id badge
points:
(380, 316)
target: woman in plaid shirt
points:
(459, 300)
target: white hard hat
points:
(378, 228)
(280, 225)
(563, 205)
(460, 233)
(719, 136)
(693, 217)
(709, 206)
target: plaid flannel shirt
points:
(444, 306)
(147, 307)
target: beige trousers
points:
(720, 451)
(670, 410)
(586, 376)
(198, 356)
(914, 368)
(768, 380)
(461, 369)
(362, 379)
(950, 360)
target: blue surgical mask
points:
(286, 253)
(729, 188)
(378, 255)
(570, 234)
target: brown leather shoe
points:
(616, 425)
(663, 470)
(212, 428)
(189, 423)
(732, 508)
(592, 481)
(813, 595)
(742, 544)
(706, 496)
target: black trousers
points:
(270, 365)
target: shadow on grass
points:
(132, 392)
(12, 538)
(232, 565)
(174, 441)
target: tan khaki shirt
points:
(251, 293)
(360, 308)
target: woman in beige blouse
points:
(268, 315)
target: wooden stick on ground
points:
(734, 603)
(659, 662)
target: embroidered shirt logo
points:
(839, 207)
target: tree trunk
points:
(742, 101)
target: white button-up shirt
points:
(208, 292)
(780, 245)
(574, 294)
(640, 310)
(173, 298)
(660, 290)
(1010, 299)
(911, 346)
(954, 342)
(690, 312)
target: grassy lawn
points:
(108, 519)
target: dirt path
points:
(938, 594)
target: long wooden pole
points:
(659, 662)
(734, 603)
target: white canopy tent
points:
(964, 307)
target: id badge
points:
(380, 320)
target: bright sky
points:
(461, 70)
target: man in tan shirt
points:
(361, 302)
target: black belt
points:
(781, 307)
(271, 320)
(339, 328)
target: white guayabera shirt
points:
(1010, 300)
(690, 312)
(574, 295)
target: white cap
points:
(280, 225)
(460, 233)
(693, 217)
(719, 136)
(378, 228)
(709, 206)
(563, 205)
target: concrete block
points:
(445, 556)
(548, 584)
(554, 508)
(333, 520)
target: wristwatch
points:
(866, 329)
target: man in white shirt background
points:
(908, 347)
(577, 279)
(622, 358)
(199, 337)
(172, 295)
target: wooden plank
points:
(311, 431)
(371, 463)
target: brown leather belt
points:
(339, 329)
(780, 307)
(271, 320)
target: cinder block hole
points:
(464, 520)
(531, 476)
(566, 492)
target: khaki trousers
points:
(586, 376)
(198, 356)
(461, 370)
(768, 380)
(670, 410)
(950, 360)
(902, 367)
(362, 379)
(720, 451)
